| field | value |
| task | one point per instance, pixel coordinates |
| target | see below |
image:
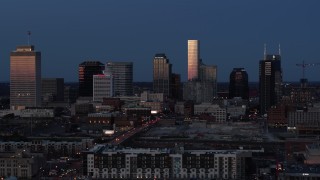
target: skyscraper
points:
(238, 84)
(202, 79)
(208, 75)
(52, 89)
(270, 80)
(176, 89)
(193, 59)
(162, 75)
(25, 78)
(86, 71)
(102, 87)
(122, 73)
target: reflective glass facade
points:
(122, 73)
(193, 59)
(25, 78)
(161, 74)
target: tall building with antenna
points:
(270, 81)
(25, 78)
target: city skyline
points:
(231, 34)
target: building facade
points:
(108, 162)
(202, 79)
(55, 148)
(20, 164)
(155, 97)
(238, 84)
(52, 89)
(277, 116)
(270, 81)
(198, 91)
(304, 122)
(162, 75)
(220, 113)
(86, 71)
(208, 74)
(102, 87)
(25, 78)
(176, 89)
(193, 59)
(122, 73)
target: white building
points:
(102, 87)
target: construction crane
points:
(304, 65)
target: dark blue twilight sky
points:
(232, 34)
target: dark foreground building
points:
(238, 86)
(270, 80)
(86, 71)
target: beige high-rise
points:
(193, 59)
(25, 78)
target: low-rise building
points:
(301, 172)
(104, 162)
(20, 164)
(215, 110)
(179, 108)
(37, 113)
(30, 113)
(148, 96)
(277, 116)
(115, 103)
(66, 148)
(155, 106)
(312, 154)
(137, 112)
(107, 118)
(236, 111)
(303, 122)
(199, 91)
